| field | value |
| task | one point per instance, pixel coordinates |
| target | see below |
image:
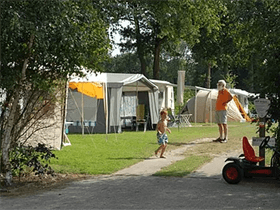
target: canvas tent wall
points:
(115, 86)
(52, 134)
(202, 107)
(166, 94)
(47, 127)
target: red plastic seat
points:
(249, 152)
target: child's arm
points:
(229, 99)
(158, 129)
(169, 131)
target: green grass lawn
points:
(105, 154)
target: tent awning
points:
(92, 89)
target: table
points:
(131, 118)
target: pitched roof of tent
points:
(163, 82)
(122, 79)
(129, 80)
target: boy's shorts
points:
(162, 138)
(221, 117)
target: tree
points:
(258, 37)
(41, 46)
(137, 34)
(163, 24)
(217, 49)
(123, 63)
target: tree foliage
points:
(252, 29)
(157, 25)
(42, 44)
(67, 34)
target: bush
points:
(35, 158)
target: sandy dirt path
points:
(153, 164)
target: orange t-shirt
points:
(223, 96)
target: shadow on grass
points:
(186, 143)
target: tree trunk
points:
(156, 69)
(156, 60)
(140, 47)
(208, 82)
(143, 64)
(140, 55)
(6, 141)
(7, 135)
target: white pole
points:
(83, 128)
(106, 107)
(65, 113)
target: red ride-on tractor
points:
(246, 164)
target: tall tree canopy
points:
(260, 20)
(163, 24)
(248, 45)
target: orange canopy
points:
(92, 89)
(241, 109)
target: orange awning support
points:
(92, 89)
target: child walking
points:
(161, 133)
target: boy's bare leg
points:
(162, 150)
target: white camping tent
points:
(243, 96)
(121, 93)
(166, 94)
(202, 107)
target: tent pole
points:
(137, 93)
(65, 113)
(82, 119)
(106, 108)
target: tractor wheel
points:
(232, 173)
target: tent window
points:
(128, 104)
